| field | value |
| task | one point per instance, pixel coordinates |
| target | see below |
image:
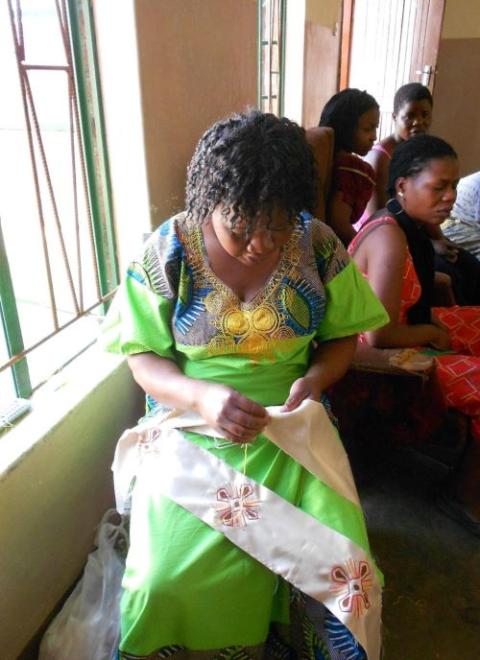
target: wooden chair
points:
(322, 141)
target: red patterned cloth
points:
(459, 373)
(355, 179)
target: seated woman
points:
(412, 115)
(244, 301)
(393, 250)
(354, 117)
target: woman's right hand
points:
(441, 338)
(237, 418)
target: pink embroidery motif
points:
(236, 507)
(352, 581)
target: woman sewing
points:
(242, 302)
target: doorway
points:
(387, 44)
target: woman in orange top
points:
(395, 253)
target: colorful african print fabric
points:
(187, 586)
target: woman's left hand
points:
(329, 363)
(436, 321)
(445, 248)
(302, 388)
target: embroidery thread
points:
(236, 507)
(352, 582)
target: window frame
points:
(79, 15)
(263, 42)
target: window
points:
(271, 57)
(57, 257)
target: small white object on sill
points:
(14, 411)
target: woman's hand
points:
(302, 388)
(436, 321)
(445, 248)
(442, 279)
(330, 361)
(226, 410)
(441, 338)
(239, 419)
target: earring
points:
(400, 194)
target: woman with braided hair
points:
(395, 253)
(354, 117)
(238, 316)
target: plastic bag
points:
(88, 625)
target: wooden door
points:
(428, 28)
(387, 44)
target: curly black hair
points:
(411, 92)
(249, 163)
(342, 113)
(413, 155)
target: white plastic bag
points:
(88, 625)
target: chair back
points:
(322, 141)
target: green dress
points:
(188, 591)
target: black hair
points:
(342, 113)
(411, 92)
(413, 155)
(251, 162)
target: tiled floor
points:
(431, 566)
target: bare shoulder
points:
(389, 143)
(381, 240)
(373, 157)
(387, 235)
(380, 155)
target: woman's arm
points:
(384, 253)
(381, 164)
(330, 362)
(222, 407)
(339, 216)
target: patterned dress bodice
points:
(172, 304)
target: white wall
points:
(294, 60)
(198, 63)
(119, 73)
(461, 20)
(53, 496)
(457, 92)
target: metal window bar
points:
(271, 55)
(91, 113)
(87, 148)
(11, 325)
